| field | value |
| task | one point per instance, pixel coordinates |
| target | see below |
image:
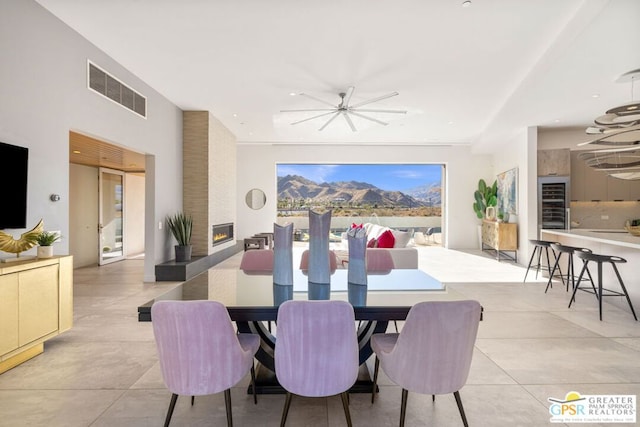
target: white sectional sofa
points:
(404, 255)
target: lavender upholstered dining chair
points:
(432, 354)
(379, 260)
(199, 351)
(304, 260)
(257, 261)
(316, 352)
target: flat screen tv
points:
(14, 165)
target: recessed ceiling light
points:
(466, 3)
(595, 95)
(292, 93)
(557, 120)
(235, 115)
(450, 122)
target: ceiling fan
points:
(344, 109)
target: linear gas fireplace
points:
(222, 233)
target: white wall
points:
(257, 169)
(134, 214)
(44, 95)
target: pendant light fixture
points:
(619, 125)
(619, 129)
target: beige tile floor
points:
(104, 372)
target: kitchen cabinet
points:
(617, 189)
(36, 303)
(554, 162)
(634, 190)
(589, 184)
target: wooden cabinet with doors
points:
(36, 303)
(500, 237)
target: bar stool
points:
(538, 247)
(600, 259)
(560, 249)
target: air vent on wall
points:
(112, 88)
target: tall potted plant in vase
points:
(181, 226)
(485, 196)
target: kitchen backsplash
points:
(603, 215)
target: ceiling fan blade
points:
(319, 100)
(347, 97)
(380, 98)
(348, 119)
(314, 117)
(371, 110)
(336, 114)
(355, 113)
(310, 109)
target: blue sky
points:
(387, 177)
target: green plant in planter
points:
(181, 226)
(485, 196)
(47, 238)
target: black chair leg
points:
(285, 410)
(227, 404)
(253, 385)
(193, 400)
(553, 270)
(403, 407)
(460, 408)
(345, 405)
(375, 379)
(172, 405)
(433, 397)
(535, 249)
(600, 289)
(624, 289)
(573, 294)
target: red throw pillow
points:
(354, 225)
(386, 240)
(372, 243)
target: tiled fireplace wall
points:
(209, 177)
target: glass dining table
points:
(253, 300)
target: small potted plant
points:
(181, 226)
(45, 240)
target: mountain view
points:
(297, 193)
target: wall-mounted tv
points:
(13, 176)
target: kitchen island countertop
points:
(618, 236)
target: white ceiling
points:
(465, 75)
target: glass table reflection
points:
(253, 299)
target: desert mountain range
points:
(297, 187)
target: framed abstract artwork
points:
(508, 191)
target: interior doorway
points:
(111, 192)
(107, 201)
